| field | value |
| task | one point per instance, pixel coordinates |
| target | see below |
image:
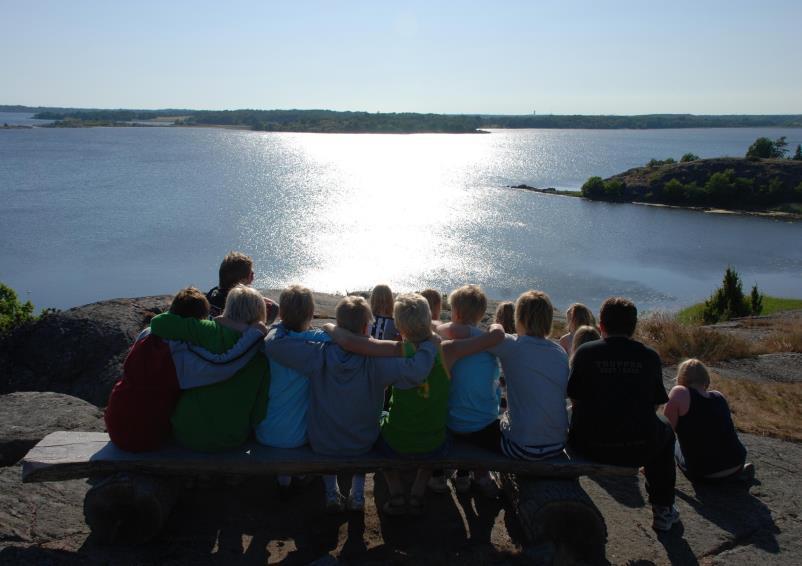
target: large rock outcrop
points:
(27, 417)
(79, 351)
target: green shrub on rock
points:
(12, 312)
(728, 301)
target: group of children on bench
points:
(209, 383)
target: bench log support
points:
(558, 518)
(129, 508)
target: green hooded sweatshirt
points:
(219, 416)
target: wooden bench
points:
(134, 493)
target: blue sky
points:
(603, 57)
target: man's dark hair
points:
(235, 268)
(190, 303)
(618, 316)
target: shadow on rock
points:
(731, 507)
(624, 489)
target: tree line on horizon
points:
(410, 122)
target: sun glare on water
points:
(384, 204)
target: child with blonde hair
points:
(415, 426)
(707, 445)
(577, 315)
(475, 396)
(381, 305)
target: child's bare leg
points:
(393, 479)
(419, 487)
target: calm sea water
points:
(97, 213)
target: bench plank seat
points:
(73, 455)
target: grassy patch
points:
(675, 341)
(765, 408)
(771, 305)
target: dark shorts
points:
(488, 438)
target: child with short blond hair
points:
(708, 447)
(577, 315)
(475, 396)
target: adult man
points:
(616, 386)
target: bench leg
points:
(557, 514)
(129, 507)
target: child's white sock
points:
(358, 486)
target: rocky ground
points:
(69, 379)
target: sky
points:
(502, 57)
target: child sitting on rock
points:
(577, 315)
(505, 316)
(583, 335)
(155, 371)
(415, 426)
(435, 300)
(381, 305)
(707, 446)
(235, 269)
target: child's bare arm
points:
(454, 331)
(453, 350)
(679, 401)
(363, 345)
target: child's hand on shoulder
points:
(329, 328)
(436, 339)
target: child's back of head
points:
(381, 301)
(468, 304)
(190, 303)
(435, 300)
(693, 373)
(245, 304)
(235, 268)
(353, 314)
(534, 314)
(505, 316)
(582, 335)
(413, 317)
(579, 315)
(296, 308)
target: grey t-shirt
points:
(346, 391)
(536, 372)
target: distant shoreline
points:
(329, 121)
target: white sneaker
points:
(664, 517)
